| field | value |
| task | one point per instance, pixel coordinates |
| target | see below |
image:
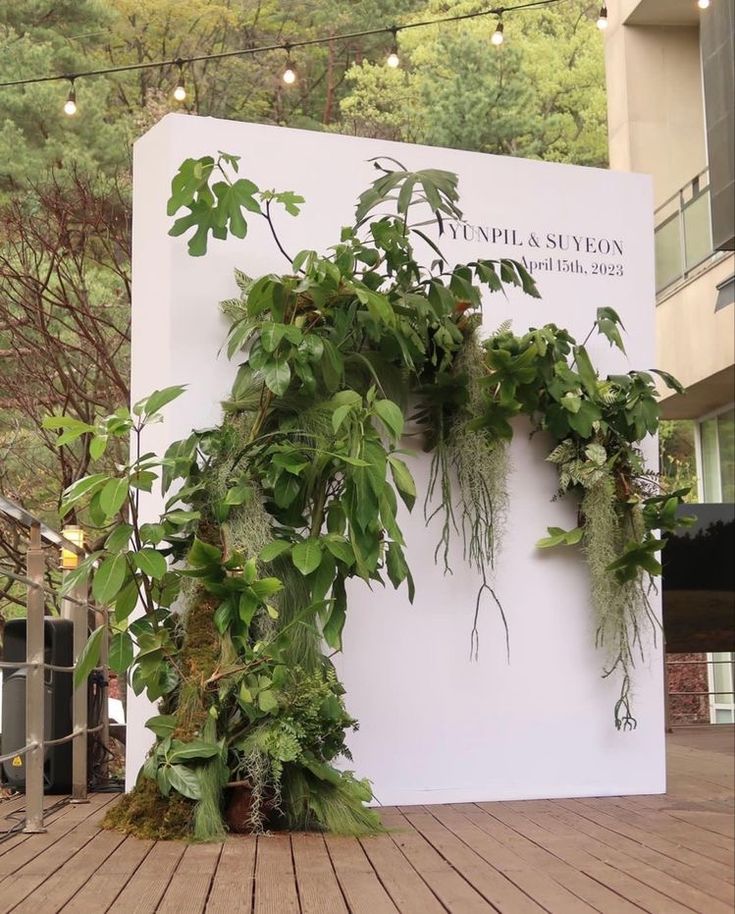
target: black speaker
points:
(58, 691)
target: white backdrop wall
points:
(434, 725)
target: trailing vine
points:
(242, 580)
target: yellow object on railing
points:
(69, 559)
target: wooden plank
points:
(720, 823)
(692, 788)
(16, 803)
(701, 753)
(720, 738)
(148, 883)
(457, 896)
(11, 803)
(56, 890)
(715, 887)
(234, 879)
(550, 894)
(34, 873)
(630, 860)
(565, 868)
(59, 805)
(103, 887)
(666, 854)
(664, 883)
(318, 887)
(651, 839)
(493, 885)
(360, 885)
(34, 847)
(714, 846)
(189, 887)
(275, 882)
(622, 883)
(649, 899)
(675, 805)
(409, 892)
(705, 837)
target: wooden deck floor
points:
(668, 854)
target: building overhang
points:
(662, 12)
(701, 398)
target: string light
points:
(498, 36)
(393, 60)
(289, 74)
(602, 19)
(180, 90)
(703, 4)
(70, 105)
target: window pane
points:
(668, 253)
(698, 230)
(726, 434)
(710, 470)
(722, 678)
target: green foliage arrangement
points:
(243, 578)
(598, 424)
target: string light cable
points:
(289, 73)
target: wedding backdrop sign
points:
(447, 712)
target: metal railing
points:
(683, 232)
(77, 607)
(710, 694)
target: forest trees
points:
(64, 181)
(64, 326)
(540, 95)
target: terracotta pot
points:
(239, 806)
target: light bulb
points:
(498, 36)
(602, 20)
(393, 60)
(289, 75)
(70, 105)
(180, 90)
(703, 4)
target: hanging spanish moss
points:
(248, 527)
(265, 790)
(481, 465)
(469, 478)
(622, 608)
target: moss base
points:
(144, 813)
